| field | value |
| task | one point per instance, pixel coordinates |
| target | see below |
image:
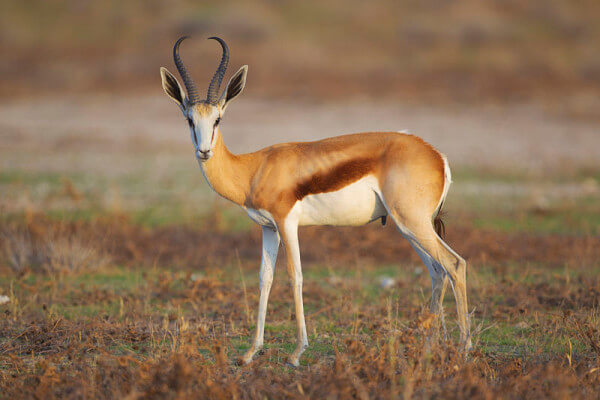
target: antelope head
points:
(203, 115)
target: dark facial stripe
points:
(335, 179)
(195, 138)
(215, 127)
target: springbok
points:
(344, 180)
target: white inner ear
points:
(168, 80)
(241, 75)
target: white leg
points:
(292, 251)
(439, 281)
(270, 240)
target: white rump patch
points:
(447, 182)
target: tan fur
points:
(203, 108)
(274, 178)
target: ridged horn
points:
(215, 84)
(192, 92)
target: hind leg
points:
(439, 281)
(439, 284)
(422, 236)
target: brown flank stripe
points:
(336, 178)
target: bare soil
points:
(79, 132)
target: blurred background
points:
(431, 51)
(123, 275)
(509, 90)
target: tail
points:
(438, 222)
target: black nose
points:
(203, 154)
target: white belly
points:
(356, 204)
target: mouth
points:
(202, 157)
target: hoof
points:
(466, 343)
(242, 361)
(245, 359)
(249, 356)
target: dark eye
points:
(217, 121)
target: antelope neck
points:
(227, 173)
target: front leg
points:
(289, 235)
(270, 247)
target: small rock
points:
(386, 282)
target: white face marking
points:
(356, 204)
(203, 130)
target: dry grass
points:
(53, 252)
(171, 320)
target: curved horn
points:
(187, 80)
(215, 83)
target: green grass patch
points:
(571, 221)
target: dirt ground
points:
(37, 134)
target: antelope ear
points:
(234, 87)
(171, 86)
